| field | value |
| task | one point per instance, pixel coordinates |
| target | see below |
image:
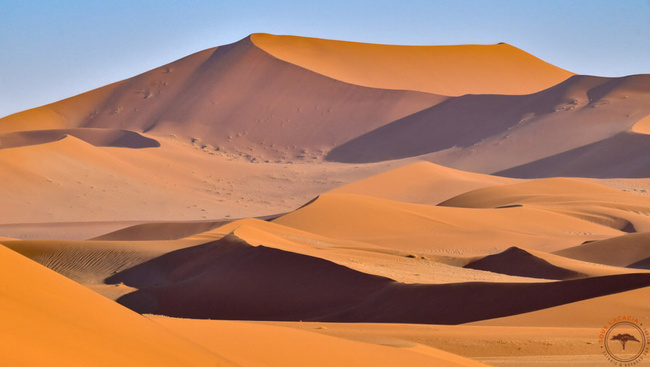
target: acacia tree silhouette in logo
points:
(624, 338)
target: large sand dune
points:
(50, 320)
(293, 179)
(579, 111)
(446, 70)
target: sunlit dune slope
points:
(232, 99)
(72, 180)
(422, 183)
(446, 70)
(589, 313)
(642, 126)
(49, 320)
(591, 202)
(442, 230)
(632, 250)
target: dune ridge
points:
(632, 250)
(515, 261)
(229, 279)
(96, 137)
(446, 70)
(492, 131)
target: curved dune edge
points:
(490, 133)
(445, 70)
(421, 183)
(589, 313)
(515, 261)
(96, 137)
(283, 346)
(632, 250)
(69, 325)
(642, 126)
(416, 227)
(230, 279)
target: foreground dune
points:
(51, 320)
(280, 346)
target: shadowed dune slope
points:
(160, 231)
(518, 129)
(588, 313)
(623, 155)
(421, 183)
(49, 320)
(236, 97)
(96, 137)
(446, 70)
(229, 279)
(515, 261)
(545, 191)
(632, 250)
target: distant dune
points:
(515, 261)
(492, 131)
(632, 250)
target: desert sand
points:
(290, 201)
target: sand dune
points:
(96, 137)
(281, 346)
(229, 279)
(360, 174)
(642, 126)
(488, 133)
(446, 70)
(160, 231)
(421, 183)
(590, 313)
(441, 230)
(584, 200)
(50, 320)
(72, 186)
(622, 155)
(214, 98)
(515, 261)
(495, 345)
(632, 250)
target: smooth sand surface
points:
(50, 320)
(446, 70)
(281, 346)
(642, 126)
(494, 345)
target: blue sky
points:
(55, 49)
